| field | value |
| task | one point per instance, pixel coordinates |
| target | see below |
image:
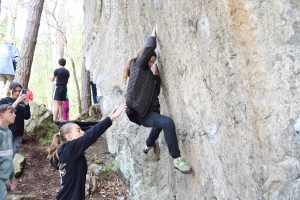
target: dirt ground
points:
(40, 180)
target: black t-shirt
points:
(62, 75)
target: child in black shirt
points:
(69, 159)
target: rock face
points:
(230, 80)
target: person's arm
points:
(12, 179)
(19, 100)
(26, 114)
(148, 51)
(16, 58)
(78, 146)
(52, 77)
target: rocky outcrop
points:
(230, 80)
(41, 124)
(19, 164)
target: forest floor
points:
(41, 180)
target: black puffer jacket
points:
(22, 112)
(141, 83)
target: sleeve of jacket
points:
(3, 101)
(157, 83)
(16, 58)
(147, 53)
(27, 113)
(79, 145)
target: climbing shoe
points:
(182, 166)
(147, 149)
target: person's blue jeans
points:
(94, 91)
(160, 122)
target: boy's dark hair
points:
(5, 107)
(62, 62)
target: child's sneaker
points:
(147, 149)
(182, 166)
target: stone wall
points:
(230, 80)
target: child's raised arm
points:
(79, 145)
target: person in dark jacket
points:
(142, 101)
(21, 104)
(67, 155)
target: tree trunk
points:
(61, 25)
(29, 43)
(52, 33)
(85, 88)
(75, 76)
(9, 18)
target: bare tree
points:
(85, 88)
(74, 75)
(61, 25)
(62, 43)
(29, 42)
(51, 22)
(11, 13)
(9, 18)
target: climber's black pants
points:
(160, 122)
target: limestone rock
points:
(230, 81)
(95, 111)
(19, 164)
(41, 124)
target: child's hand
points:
(154, 69)
(117, 112)
(153, 34)
(13, 184)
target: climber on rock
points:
(142, 101)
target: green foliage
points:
(110, 166)
(95, 157)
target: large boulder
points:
(41, 124)
(19, 164)
(95, 111)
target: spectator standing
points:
(9, 55)
(61, 75)
(21, 105)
